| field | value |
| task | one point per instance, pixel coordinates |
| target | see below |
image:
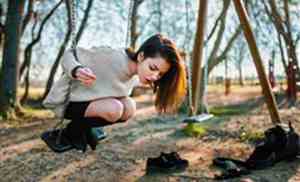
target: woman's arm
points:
(69, 63)
(77, 70)
(85, 75)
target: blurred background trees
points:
(34, 35)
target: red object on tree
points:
(291, 81)
(271, 74)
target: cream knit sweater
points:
(111, 69)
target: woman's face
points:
(151, 69)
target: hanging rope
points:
(73, 49)
(129, 22)
(188, 60)
(73, 25)
(205, 79)
(189, 71)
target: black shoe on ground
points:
(174, 156)
(56, 144)
(166, 163)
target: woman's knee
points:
(108, 109)
(116, 112)
(129, 108)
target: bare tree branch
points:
(283, 60)
(228, 47)
(28, 16)
(220, 35)
(28, 49)
(220, 18)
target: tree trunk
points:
(266, 88)
(227, 79)
(198, 55)
(241, 56)
(211, 63)
(283, 60)
(204, 71)
(283, 27)
(9, 72)
(293, 60)
(241, 77)
(1, 25)
(217, 44)
(291, 83)
(27, 85)
(271, 70)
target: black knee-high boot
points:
(79, 131)
(76, 132)
(94, 122)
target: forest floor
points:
(122, 156)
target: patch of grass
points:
(26, 114)
(31, 112)
(228, 110)
(236, 109)
(195, 130)
(251, 136)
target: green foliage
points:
(224, 111)
(32, 112)
(3, 116)
(195, 130)
(8, 114)
(229, 110)
(294, 2)
(251, 136)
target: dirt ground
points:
(122, 156)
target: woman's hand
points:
(86, 76)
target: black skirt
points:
(76, 110)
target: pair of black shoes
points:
(59, 140)
(166, 163)
(231, 168)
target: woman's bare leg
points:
(110, 109)
(129, 108)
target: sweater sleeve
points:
(69, 62)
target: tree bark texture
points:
(266, 88)
(9, 72)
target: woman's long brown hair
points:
(171, 88)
